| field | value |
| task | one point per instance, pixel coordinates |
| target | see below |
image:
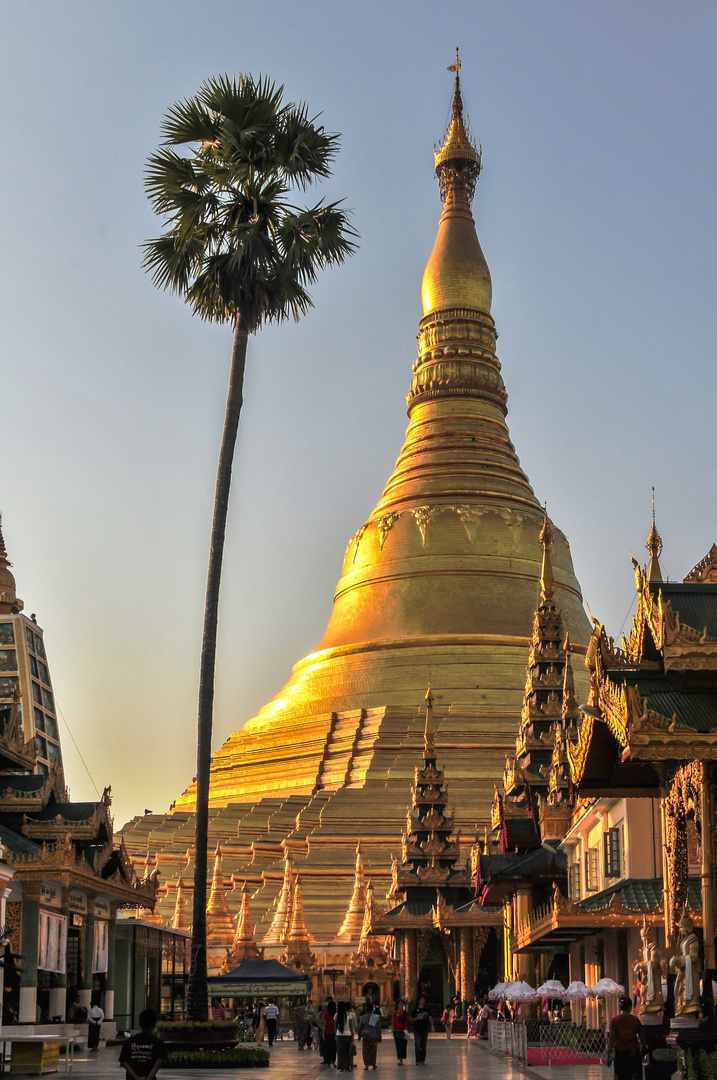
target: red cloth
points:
(625, 1027)
(329, 1024)
(400, 1020)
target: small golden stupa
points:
(439, 583)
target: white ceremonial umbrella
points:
(499, 990)
(577, 991)
(553, 988)
(520, 991)
(606, 988)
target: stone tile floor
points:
(454, 1059)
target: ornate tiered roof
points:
(534, 804)
(429, 853)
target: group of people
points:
(343, 1031)
(260, 1018)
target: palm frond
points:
(233, 242)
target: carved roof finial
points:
(546, 573)
(430, 747)
(654, 546)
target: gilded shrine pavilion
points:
(439, 584)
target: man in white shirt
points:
(271, 1016)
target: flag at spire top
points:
(457, 66)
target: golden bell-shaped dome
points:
(439, 583)
(457, 275)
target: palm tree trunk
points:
(197, 994)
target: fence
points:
(531, 1042)
(509, 1038)
(569, 1044)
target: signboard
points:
(226, 988)
(102, 909)
(78, 902)
(51, 894)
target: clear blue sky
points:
(596, 211)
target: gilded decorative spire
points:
(546, 573)
(351, 926)
(429, 750)
(244, 946)
(9, 603)
(457, 275)
(281, 923)
(429, 851)
(299, 941)
(220, 927)
(369, 947)
(179, 919)
(457, 161)
(654, 546)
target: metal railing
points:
(509, 1038)
(571, 1044)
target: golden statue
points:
(649, 972)
(688, 968)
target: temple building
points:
(25, 684)
(78, 919)
(439, 584)
(623, 883)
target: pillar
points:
(411, 967)
(666, 894)
(507, 955)
(468, 976)
(84, 989)
(708, 870)
(28, 974)
(58, 994)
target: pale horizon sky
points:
(596, 213)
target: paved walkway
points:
(454, 1059)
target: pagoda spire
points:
(654, 546)
(244, 946)
(220, 927)
(281, 923)
(179, 919)
(299, 940)
(369, 948)
(351, 926)
(429, 852)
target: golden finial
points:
(457, 161)
(430, 748)
(654, 546)
(546, 573)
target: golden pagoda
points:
(244, 946)
(299, 940)
(350, 931)
(179, 919)
(220, 925)
(439, 583)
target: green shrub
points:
(702, 1066)
(241, 1057)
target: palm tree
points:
(239, 251)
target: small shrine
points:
(436, 926)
